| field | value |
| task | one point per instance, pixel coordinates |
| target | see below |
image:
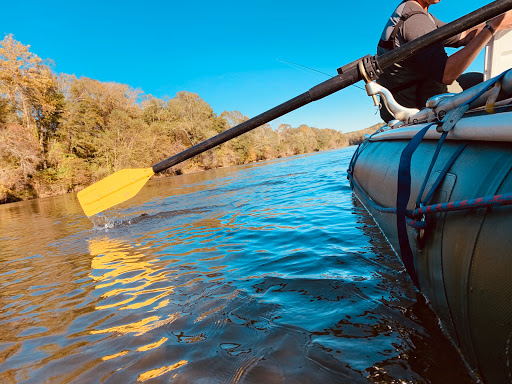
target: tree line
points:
(60, 133)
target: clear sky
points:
(225, 51)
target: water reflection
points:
(124, 279)
(154, 373)
(269, 273)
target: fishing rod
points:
(314, 70)
(126, 183)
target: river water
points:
(265, 273)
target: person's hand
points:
(501, 22)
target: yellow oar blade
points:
(114, 189)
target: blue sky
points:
(226, 51)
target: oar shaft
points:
(349, 76)
(244, 127)
(324, 89)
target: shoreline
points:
(181, 172)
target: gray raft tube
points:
(477, 127)
(437, 106)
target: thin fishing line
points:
(301, 67)
(312, 69)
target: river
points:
(266, 273)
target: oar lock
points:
(370, 71)
(371, 67)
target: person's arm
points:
(470, 34)
(476, 39)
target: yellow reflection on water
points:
(160, 371)
(125, 280)
(153, 345)
(139, 327)
(110, 357)
(147, 302)
(164, 303)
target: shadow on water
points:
(269, 273)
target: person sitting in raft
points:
(431, 72)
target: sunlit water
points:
(266, 273)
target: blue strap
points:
(427, 176)
(443, 173)
(404, 189)
(457, 153)
(402, 199)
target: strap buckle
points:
(451, 118)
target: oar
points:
(126, 183)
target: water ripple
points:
(269, 273)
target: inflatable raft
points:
(438, 182)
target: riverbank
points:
(60, 133)
(39, 185)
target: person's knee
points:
(454, 87)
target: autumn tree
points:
(237, 150)
(193, 121)
(19, 157)
(61, 133)
(30, 88)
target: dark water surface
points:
(266, 273)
